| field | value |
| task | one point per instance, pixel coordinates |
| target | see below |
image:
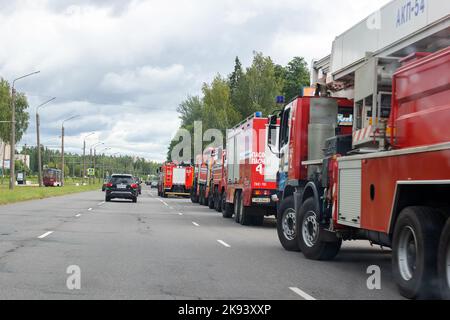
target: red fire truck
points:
(393, 186)
(200, 192)
(218, 182)
(251, 172)
(305, 124)
(175, 179)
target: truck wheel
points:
(287, 225)
(309, 238)
(245, 218)
(211, 201)
(414, 252)
(227, 210)
(444, 262)
(194, 198)
(237, 209)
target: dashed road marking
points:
(78, 215)
(90, 209)
(101, 203)
(45, 235)
(302, 293)
(224, 243)
(180, 213)
(196, 224)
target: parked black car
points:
(122, 186)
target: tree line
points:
(22, 116)
(228, 100)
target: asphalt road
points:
(166, 249)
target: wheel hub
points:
(407, 253)
(310, 229)
(289, 224)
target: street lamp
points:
(62, 147)
(84, 156)
(38, 140)
(13, 131)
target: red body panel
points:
(384, 173)
(421, 107)
(251, 166)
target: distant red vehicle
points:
(52, 177)
(175, 179)
(218, 184)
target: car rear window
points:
(121, 180)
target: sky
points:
(124, 66)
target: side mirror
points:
(272, 137)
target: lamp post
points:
(38, 140)
(62, 148)
(84, 156)
(13, 131)
(93, 147)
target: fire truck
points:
(304, 124)
(251, 172)
(389, 183)
(200, 192)
(218, 182)
(175, 179)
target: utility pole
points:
(38, 123)
(62, 148)
(94, 147)
(84, 157)
(12, 177)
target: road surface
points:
(166, 249)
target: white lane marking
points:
(180, 213)
(45, 235)
(302, 293)
(195, 224)
(90, 209)
(78, 215)
(224, 243)
(101, 203)
(166, 204)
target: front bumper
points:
(121, 194)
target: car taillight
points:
(261, 192)
(134, 186)
(109, 185)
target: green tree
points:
(263, 85)
(296, 77)
(218, 112)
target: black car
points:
(122, 186)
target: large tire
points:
(237, 209)
(444, 262)
(414, 252)
(287, 225)
(227, 209)
(134, 199)
(245, 218)
(107, 199)
(211, 201)
(217, 200)
(309, 234)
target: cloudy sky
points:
(124, 66)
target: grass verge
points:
(32, 193)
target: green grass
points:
(32, 193)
